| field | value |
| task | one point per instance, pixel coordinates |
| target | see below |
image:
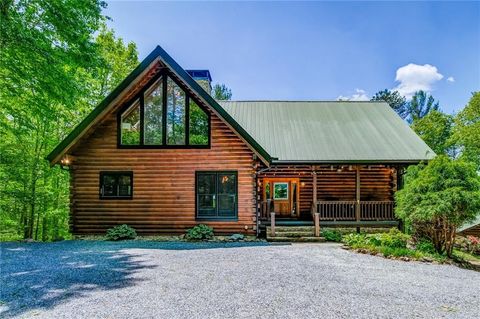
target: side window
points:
(116, 185)
(216, 195)
(164, 116)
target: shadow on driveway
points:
(41, 275)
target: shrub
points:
(199, 232)
(470, 244)
(332, 235)
(425, 245)
(438, 198)
(121, 232)
(355, 240)
(394, 239)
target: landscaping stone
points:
(237, 237)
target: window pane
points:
(124, 185)
(131, 125)
(226, 184)
(109, 185)
(175, 114)
(198, 125)
(280, 191)
(206, 184)
(153, 115)
(226, 205)
(267, 190)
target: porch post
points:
(357, 195)
(314, 191)
(272, 224)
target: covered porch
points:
(335, 195)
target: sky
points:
(315, 50)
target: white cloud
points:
(414, 77)
(451, 79)
(359, 95)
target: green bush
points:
(394, 239)
(425, 246)
(331, 235)
(199, 232)
(355, 240)
(121, 232)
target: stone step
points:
(293, 228)
(309, 239)
(294, 233)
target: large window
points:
(163, 116)
(116, 185)
(216, 195)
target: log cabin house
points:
(161, 155)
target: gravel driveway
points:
(85, 279)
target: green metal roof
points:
(329, 132)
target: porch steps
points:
(293, 234)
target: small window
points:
(280, 191)
(116, 185)
(216, 195)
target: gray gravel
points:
(81, 279)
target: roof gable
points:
(113, 98)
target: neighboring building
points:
(160, 154)
(470, 229)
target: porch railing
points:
(342, 210)
(346, 210)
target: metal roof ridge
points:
(303, 101)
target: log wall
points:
(163, 183)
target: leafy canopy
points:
(221, 92)
(467, 130)
(435, 129)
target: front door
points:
(284, 194)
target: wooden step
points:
(294, 233)
(297, 239)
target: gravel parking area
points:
(85, 279)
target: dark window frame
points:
(140, 96)
(232, 218)
(116, 174)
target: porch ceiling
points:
(329, 132)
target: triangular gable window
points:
(163, 116)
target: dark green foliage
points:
(221, 92)
(421, 104)
(331, 235)
(199, 232)
(121, 232)
(438, 198)
(397, 102)
(425, 245)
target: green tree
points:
(50, 63)
(436, 129)
(438, 198)
(397, 102)
(221, 92)
(467, 130)
(421, 104)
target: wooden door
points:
(284, 194)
